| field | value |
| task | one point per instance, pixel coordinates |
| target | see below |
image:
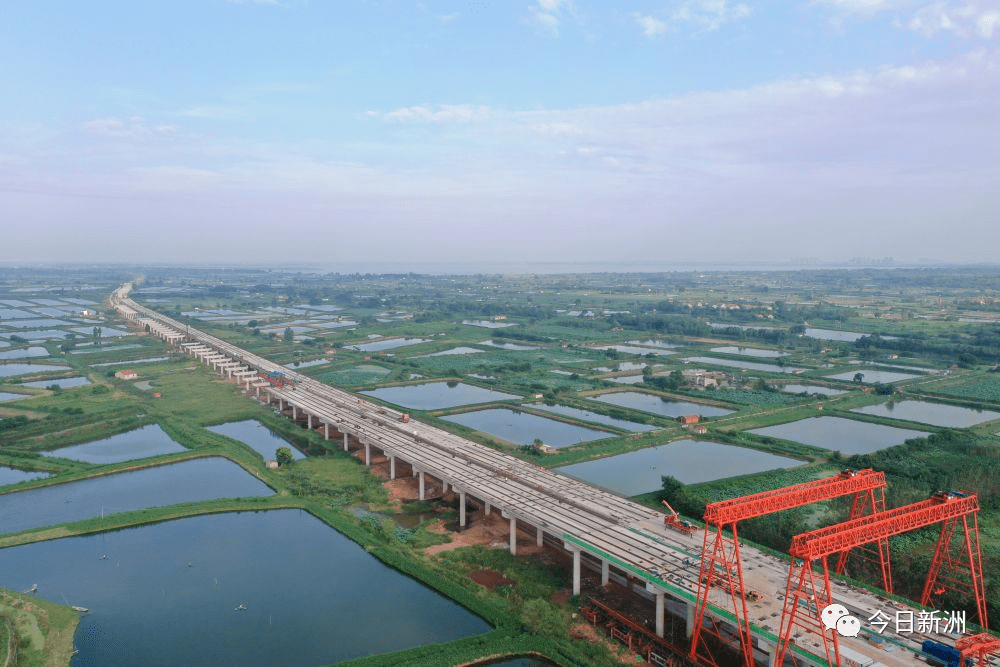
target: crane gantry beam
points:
(723, 560)
(805, 598)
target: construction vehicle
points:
(405, 418)
(673, 520)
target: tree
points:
(289, 335)
(859, 378)
(283, 455)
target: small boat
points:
(33, 589)
(103, 557)
(242, 607)
(82, 610)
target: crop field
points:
(986, 390)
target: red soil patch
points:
(491, 579)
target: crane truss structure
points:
(805, 597)
(721, 564)
(978, 647)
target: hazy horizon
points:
(407, 133)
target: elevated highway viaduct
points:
(600, 530)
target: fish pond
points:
(388, 344)
(838, 434)
(689, 461)
(138, 444)
(664, 407)
(188, 481)
(8, 396)
(62, 383)
(256, 436)
(748, 365)
(522, 428)
(587, 415)
(872, 375)
(15, 476)
(434, 395)
(749, 352)
(254, 589)
(938, 414)
(10, 370)
(810, 389)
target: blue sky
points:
(547, 131)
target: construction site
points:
(695, 595)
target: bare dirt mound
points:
(491, 579)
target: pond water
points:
(188, 481)
(622, 366)
(138, 444)
(810, 389)
(843, 336)
(650, 343)
(256, 589)
(390, 344)
(659, 406)
(749, 351)
(509, 346)
(256, 436)
(65, 383)
(522, 428)
(102, 348)
(690, 461)
(749, 365)
(147, 360)
(938, 414)
(25, 353)
(486, 324)
(589, 416)
(455, 350)
(872, 375)
(632, 349)
(10, 370)
(626, 379)
(839, 434)
(8, 396)
(434, 395)
(13, 475)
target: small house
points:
(126, 375)
(689, 419)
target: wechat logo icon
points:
(837, 616)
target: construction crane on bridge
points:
(805, 597)
(722, 558)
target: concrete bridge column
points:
(368, 453)
(345, 441)
(461, 509)
(487, 512)
(540, 537)
(444, 487)
(605, 572)
(659, 612)
(295, 413)
(281, 404)
(576, 571)
(769, 649)
(689, 628)
(310, 421)
(326, 431)
(392, 467)
(513, 536)
(421, 476)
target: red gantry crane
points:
(805, 598)
(722, 559)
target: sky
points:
(402, 132)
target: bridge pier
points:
(295, 413)
(769, 649)
(576, 571)
(309, 421)
(540, 537)
(605, 572)
(368, 453)
(461, 509)
(487, 510)
(421, 476)
(326, 431)
(513, 536)
(689, 628)
(392, 467)
(659, 611)
(346, 436)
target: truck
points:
(944, 654)
(673, 520)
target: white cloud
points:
(548, 14)
(444, 113)
(650, 25)
(711, 14)
(865, 6)
(980, 18)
